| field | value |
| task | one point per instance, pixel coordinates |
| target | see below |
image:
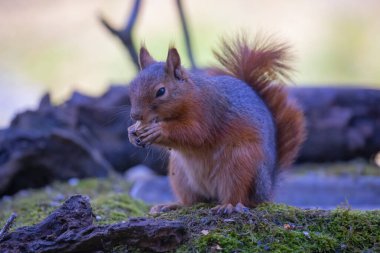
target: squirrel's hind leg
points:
(236, 178)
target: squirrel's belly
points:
(200, 172)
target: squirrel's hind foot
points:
(229, 208)
(156, 209)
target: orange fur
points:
(224, 170)
(210, 158)
(264, 65)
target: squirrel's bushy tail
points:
(264, 65)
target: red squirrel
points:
(229, 130)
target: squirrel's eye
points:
(160, 92)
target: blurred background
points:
(60, 46)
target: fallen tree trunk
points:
(70, 229)
(343, 123)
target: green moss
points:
(113, 208)
(357, 230)
(109, 200)
(269, 227)
(279, 228)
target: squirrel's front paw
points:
(150, 134)
(133, 135)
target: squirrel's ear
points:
(145, 58)
(173, 64)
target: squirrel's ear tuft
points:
(173, 64)
(145, 58)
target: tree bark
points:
(70, 229)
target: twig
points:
(125, 35)
(186, 33)
(7, 225)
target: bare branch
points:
(7, 225)
(186, 33)
(126, 35)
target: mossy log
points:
(267, 228)
(70, 229)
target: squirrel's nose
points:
(136, 116)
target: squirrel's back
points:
(248, 104)
(243, 101)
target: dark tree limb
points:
(70, 229)
(126, 34)
(185, 33)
